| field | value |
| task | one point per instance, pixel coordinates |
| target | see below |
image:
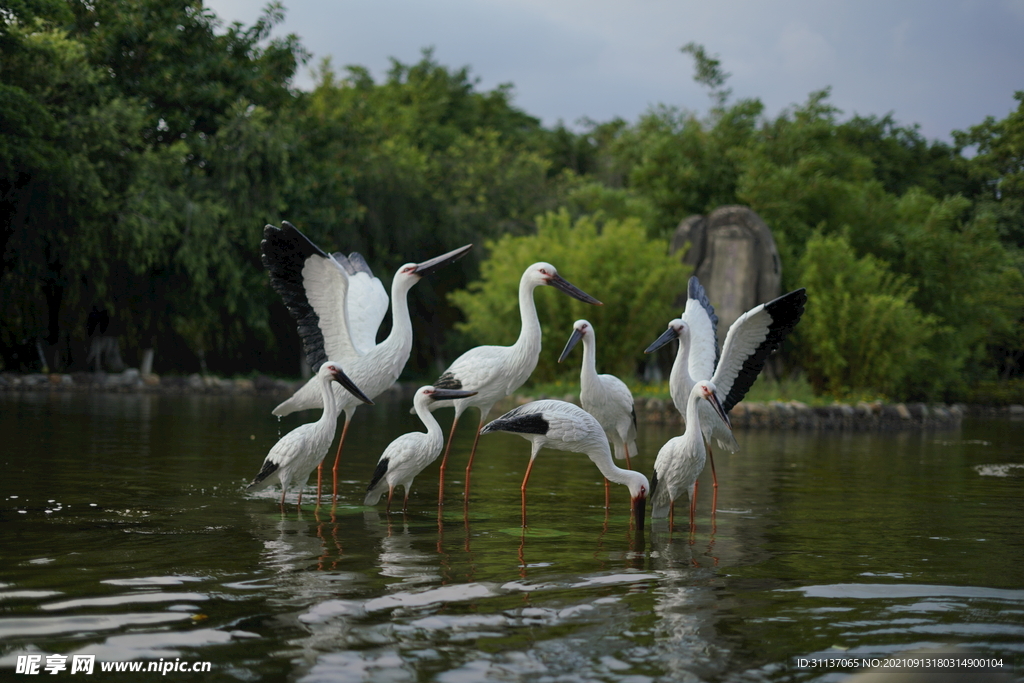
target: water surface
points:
(125, 532)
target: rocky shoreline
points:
(862, 416)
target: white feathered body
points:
(495, 372)
(570, 428)
(702, 352)
(350, 318)
(608, 399)
(407, 456)
(301, 450)
(680, 461)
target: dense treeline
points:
(144, 145)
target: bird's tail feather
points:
(374, 495)
(620, 450)
(267, 476)
(660, 499)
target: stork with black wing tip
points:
(339, 305)
(494, 372)
(749, 342)
(681, 460)
(566, 427)
(299, 451)
(409, 454)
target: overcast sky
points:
(944, 64)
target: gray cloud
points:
(945, 65)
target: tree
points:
(860, 332)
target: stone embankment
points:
(861, 416)
(131, 381)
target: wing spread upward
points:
(314, 289)
(700, 316)
(367, 301)
(750, 341)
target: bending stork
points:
(565, 427)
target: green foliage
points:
(993, 393)
(860, 329)
(611, 260)
(998, 167)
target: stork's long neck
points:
(398, 344)
(588, 373)
(528, 344)
(433, 428)
(679, 381)
(601, 454)
(330, 403)
(693, 432)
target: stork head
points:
(331, 372)
(415, 271)
(677, 329)
(580, 329)
(542, 273)
(639, 487)
(706, 390)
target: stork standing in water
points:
(749, 342)
(409, 454)
(299, 451)
(606, 397)
(339, 305)
(681, 460)
(494, 372)
(566, 427)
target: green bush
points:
(634, 277)
(860, 330)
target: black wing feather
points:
(378, 474)
(521, 420)
(284, 252)
(785, 313)
(448, 381)
(267, 469)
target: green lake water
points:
(125, 532)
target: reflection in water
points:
(126, 534)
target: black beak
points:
(561, 284)
(666, 336)
(343, 379)
(428, 267)
(571, 344)
(639, 510)
(713, 400)
(445, 394)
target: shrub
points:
(860, 330)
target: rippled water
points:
(125, 533)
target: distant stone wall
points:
(874, 416)
(734, 256)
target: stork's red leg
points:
(337, 457)
(444, 463)
(472, 453)
(522, 488)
